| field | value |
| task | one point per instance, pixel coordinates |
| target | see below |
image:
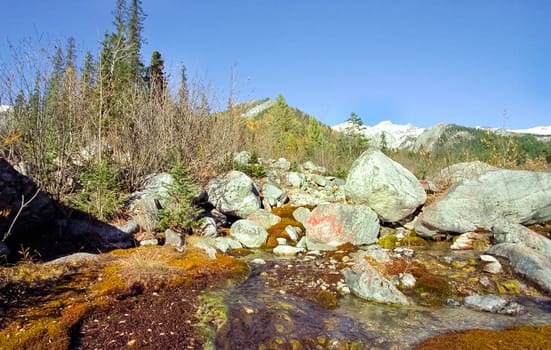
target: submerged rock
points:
(366, 282)
(494, 304)
(264, 218)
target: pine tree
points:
(183, 92)
(134, 38)
(70, 55)
(155, 78)
(355, 119)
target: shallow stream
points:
(261, 316)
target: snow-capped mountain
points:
(538, 130)
(4, 108)
(394, 135)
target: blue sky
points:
(483, 62)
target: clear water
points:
(258, 315)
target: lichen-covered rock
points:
(331, 225)
(518, 197)
(384, 185)
(527, 262)
(234, 193)
(249, 233)
(242, 158)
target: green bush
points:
(100, 195)
(179, 214)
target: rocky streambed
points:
(300, 302)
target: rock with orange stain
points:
(331, 225)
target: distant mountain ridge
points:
(397, 136)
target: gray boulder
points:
(282, 164)
(310, 167)
(331, 225)
(527, 262)
(234, 193)
(301, 214)
(242, 158)
(494, 304)
(249, 233)
(384, 185)
(294, 179)
(366, 282)
(144, 205)
(458, 172)
(519, 197)
(274, 194)
(506, 232)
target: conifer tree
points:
(134, 37)
(155, 78)
(183, 92)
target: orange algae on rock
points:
(278, 230)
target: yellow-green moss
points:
(510, 286)
(413, 241)
(388, 242)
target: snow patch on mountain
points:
(538, 130)
(384, 134)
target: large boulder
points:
(366, 282)
(507, 232)
(143, 206)
(384, 185)
(331, 225)
(234, 193)
(520, 197)
(30, 218)
(25, 208)
(249, 233)
(527, 262)
(458, 172)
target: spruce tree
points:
(134, 40)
